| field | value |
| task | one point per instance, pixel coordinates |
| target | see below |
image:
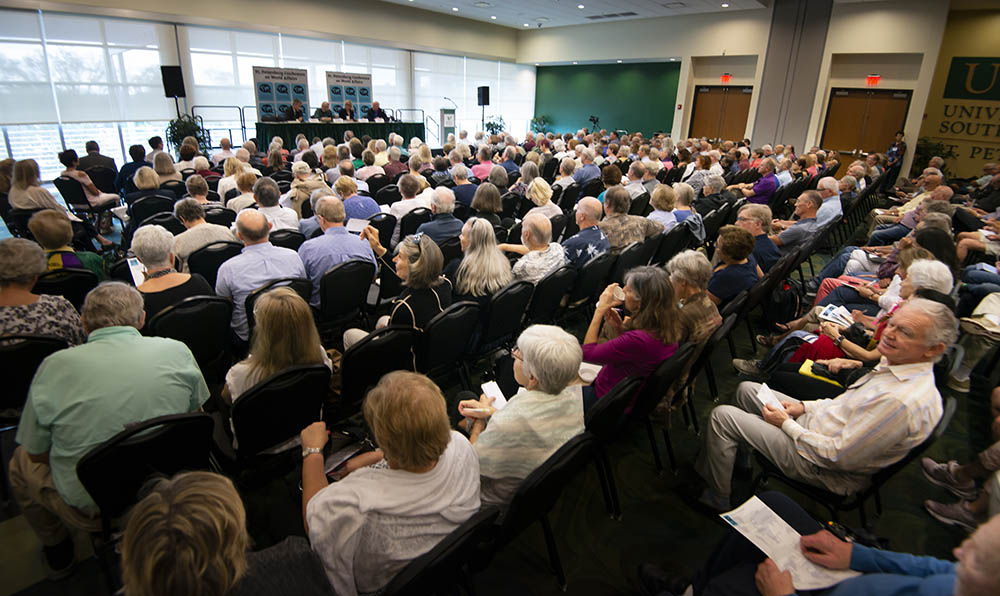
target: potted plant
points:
(926, 149)
(541, 123)
(495, 125)
(188, 126)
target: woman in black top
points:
(164, 286)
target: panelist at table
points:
(376, 111)
(293, 112)
(347, 112)
(323, 113)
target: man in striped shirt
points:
(837, 444)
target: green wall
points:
(634, 97)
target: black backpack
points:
(785, 302)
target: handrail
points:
(428, 130)
(399, 113)
(243, 126)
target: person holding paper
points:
(738, 567)
(837, 444)
(513, 441)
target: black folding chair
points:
(570, 196)
(302, 286)
(558, 226)
(386, 225)
(166, 220)
(202, 323)
(451, 249)
(146, 207)
(412, 220)
(343, 293)
(657, 386)
(590, 281)
(287, 239)
(71, 283)
(364, 363)
(548, 294)
(175, 187)
(220, 216)
(388, 194)
(103, 178)
(206, 260)
(444, 341)
(376, 182)
(592, 188)
(501, 320)
(606, 421)
(632, 256)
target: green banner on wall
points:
(973, 78)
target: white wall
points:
(367, 21)
(891, 36)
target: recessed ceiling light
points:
(527, 25)
(536, 64)
(574, 62)
(482, 4)
(672, 59)
(619, 62)
(580, 6)
(494, 17)
(725, 5)
(454, 8)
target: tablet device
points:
(356, 226)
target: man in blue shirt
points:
(464, 190)
(737, 566)
(138, 155)
(588, 171)
(590, 241)
(335, 246)
(443, 225)
(756, 219)
(831, 209)
(259, 263)
(508, 162)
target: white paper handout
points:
(768, 398)
(491, 389)
(588, 372)
(759, 524)
(837, 314)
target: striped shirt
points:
(873, 424)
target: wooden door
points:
(720, 112)
(864, 119)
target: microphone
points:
(452, 102)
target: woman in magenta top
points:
(638, 343)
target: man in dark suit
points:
(293, 112)
(323, 112)
(94, 158)
(347, 112)
(376, 111)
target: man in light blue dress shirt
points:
(259, 263)
(335, 246)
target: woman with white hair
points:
(163, 286)
(22, 312)
(540, 254)
(483, 270)
(163, 164)
(513, 441)
(540, 193)
(684, 211)
(529, 171)
(202, 166)
(498, 177)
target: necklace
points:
(160, 273)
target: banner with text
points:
(277, 88)
(344, 86)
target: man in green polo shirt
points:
(84, 395)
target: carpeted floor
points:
(599, 554)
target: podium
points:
(447, 123)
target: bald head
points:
(589, 212)
(537, 231)
(252, 227)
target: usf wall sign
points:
(967, 118)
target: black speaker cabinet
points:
(484, 96)
(173, 81)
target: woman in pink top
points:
(95, 197)
(640, 342)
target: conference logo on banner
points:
(357, 88)
(968, 120)
(277, 88)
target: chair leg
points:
(609, 474)
(550, 543)
(753, 342)
(732, 346)
(713, 388)
(652, 445)
(694, 416)
(878, 503)
(670, 449)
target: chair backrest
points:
(70, 283)
(539, 492)
(385, 223)
(149, 206)
(302, 286)
(632, 256)
(445, 339)
(501, 234)
(441, 567)
(558, 225)
(639, 205)
(206, 260)
(103, 178)
(592, 277)
(511, 205)
(165, 219)
(202, 323)
(282, 176)
(343, 290)
(381, 351)
(461, 211)
(220, 216)
(377, 182)
(723, 330)
(287, 239)
(505, 311)
(174, 186)
(883, 475)
(20, 357)
(277, 409)
(232, 193)
(412, 220)
(187, 173)
(712, 222)
(548, 294)
(549, 170)
(115, 471)
(557, 191)
(672, 243)
(17, 220)
(607, 415)
(570, 196)
(213, 182)
(592, 188)
(514, 234)
(72, 191)
(659, 382)
(451, 249)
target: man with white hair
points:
(381, 155)
(591, 240)
(540, 255)
(716, 167)
(837, 444)
(334, 246)
(118, 378)
(395, 165)
(587, 171)
(464, 190)
(713, 197)
(226, 152)
(565, 175)
(508, 162)
(243, 155)
(259, 263)
(831, 209)
(783, 173)
(310, 225)
(635, 187)
(443, 225)
(761, 190)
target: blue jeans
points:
(849, 298)
(835, 268)
(886, 235)
(978, 284)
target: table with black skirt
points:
(335, 130)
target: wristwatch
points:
(307, 451)
(836, 342)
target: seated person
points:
(230, 169)
(565, 176)
(26, 192)
(621, 228)
(25, 313)
(738, 567)
(188, 535)
(529, 172)
(202, 168)
(738, 271)
(464, 190)
(114, 377)
(663, 199)
(199, 233)
(712, 197)
(426, 293)
(756, 219)
(347, 112)
(310, 225)
(197, 188)
(611, 177)
(333, 247)
(441, 166)
(163, 165)
(54, 232)
(540, 193)
(244, 184)
(690, 272)
(512, 442)
(293, 112)
(164, 286)
(368, 525)
(487, 204)
(258, 264)
(640, 341)
(792, 235)
(498, 177)
(443, 225)
(323, 113)
(376, 111)
(356, 206)
(138, 155)
(540, 256)
(483, 270)
(369, 169)
(304, 183)
(267, 194)
(838, 444)
(590, 241)
(94, 195)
